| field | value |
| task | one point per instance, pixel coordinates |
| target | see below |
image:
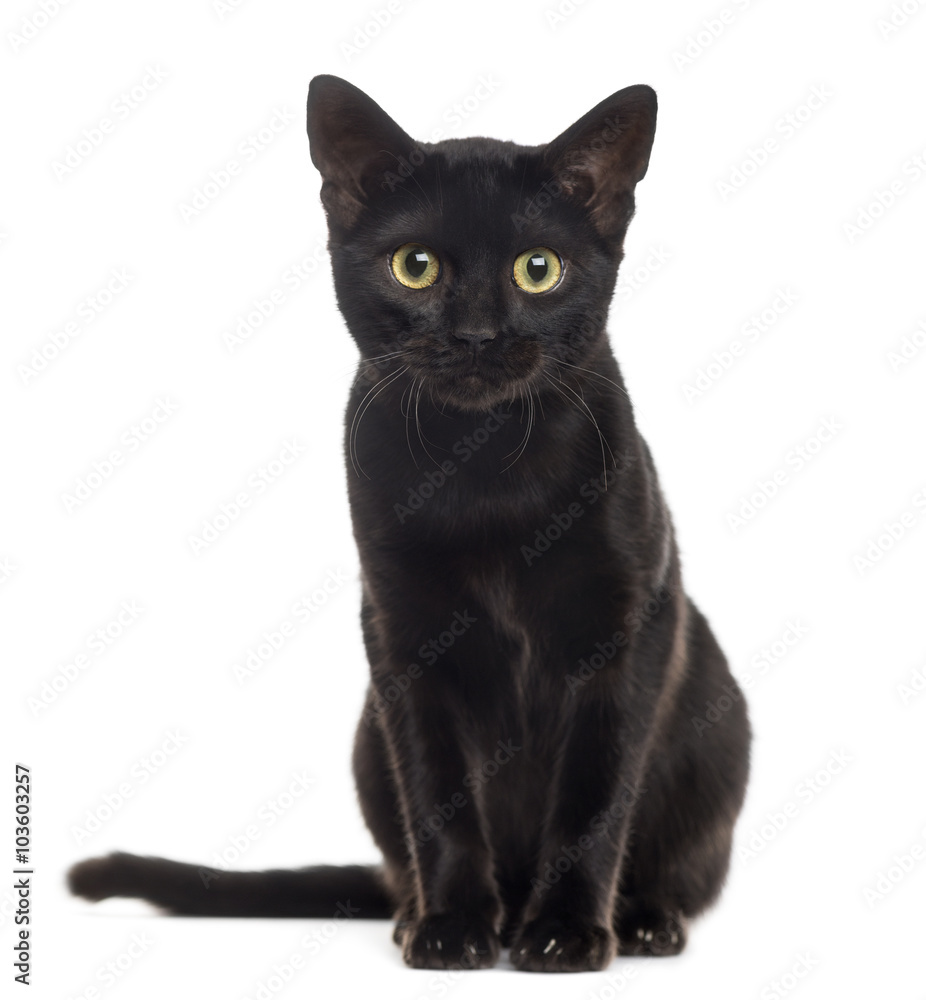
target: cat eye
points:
(415, 266)
(537, 270)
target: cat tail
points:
(197, 890)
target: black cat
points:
(534, 759)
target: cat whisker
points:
(406, 406)
(379, 357)
(539, 403)
(527, 433)
(443, 402)
(421, 438)
(406, 412)
(362, 408)
(591, 416)
(365, 363)
(558, 361)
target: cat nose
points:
(475, 337)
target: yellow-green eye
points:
(537, 270)
(415, 266)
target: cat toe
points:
(450, 941)
(644, 930)
(553, 946)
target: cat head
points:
(476, 263)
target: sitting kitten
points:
(532, 759)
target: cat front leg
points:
(567, 924)
(454, 920)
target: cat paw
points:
(651, 931)
(546, 945)
(449, 941)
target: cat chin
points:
(452, 401)
(475, 398)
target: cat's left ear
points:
(353, 143)
(600, 159)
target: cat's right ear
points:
(353, 143)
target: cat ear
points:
(353, 143)
(599, 160)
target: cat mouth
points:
(474, 369)
(475, 386)
(473, 379)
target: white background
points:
(706, 259)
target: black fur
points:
(533, 759)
